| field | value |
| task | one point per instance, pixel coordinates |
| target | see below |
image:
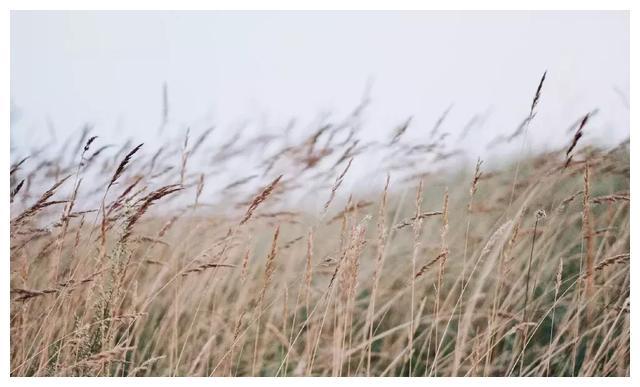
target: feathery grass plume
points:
(587, 234)
(199, 189)
(119, 200)
(308, 272)
(43, 202)
(146, 203)
(89, 160)
(123, 165)
(349, 209)
(88, 144)
(410, 221)
(574, 141)
(121, 150)
(348, 154)
(205, 266)
(239, 182)
(26, 294)
(611, 198)
(15, 190)
(523, 130)
(440, 121)
(536, 98)
(579, 121)
(475, 120)
(430, 264)
(291, 242)
(154, 158)
(77, 237)
(270, 267)
(152, 240)
(258, 199)
(245, 265)
(201, 140)
(620, 258)
(524, 124)
(399, 131)
(184, 157)
(310, 143)
(163, 172)
(167, 226)
(145, 365)
(64, 223)
(165, 105)
(336, 185)
(347, 285)
(17, 165)
(99, 359)
(477, 175)
(86, 128)
(565, 202)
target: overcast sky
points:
(107, 68)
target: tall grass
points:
(145, 264)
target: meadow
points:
(128, 261)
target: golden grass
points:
(155, 268)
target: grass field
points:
(138, 262)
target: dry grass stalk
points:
(613, 260)
(39, 205)
(26, 294)
(380, 250)
(400, 131)
(540, 214)
(268, 274)
(444, 254)
(14, 168)
(245, 265)
(239, 182)
(144, 367)
(16, 189)
(99, 359)
(205, 266)
(558, 283)
(417, 228)
(199, 189)
(146, 203)
(258, 199)
(411, 221)
(351, 208)
(574, 141)
(611, 198)
(270, 265)
(587, 233)
(123, 165)
(536, 98)
(336, 185)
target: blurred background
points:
(150, 76)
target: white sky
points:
(107, 68)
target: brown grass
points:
(148, 271)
